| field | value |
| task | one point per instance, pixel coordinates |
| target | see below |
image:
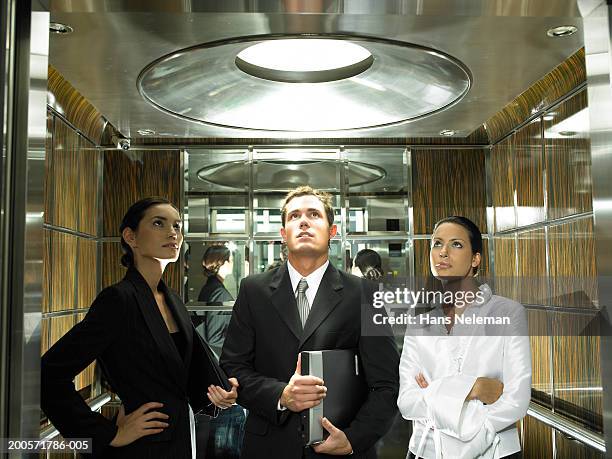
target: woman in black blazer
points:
(141, 335)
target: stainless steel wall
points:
(598, 40)
(24, 131)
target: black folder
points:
(206, 371)
(347, 389)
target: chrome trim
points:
(195, 307)
(95, 404)
(315, 428)
(546, 224)
(598, 42)
(22, 218)
(566, 426)
(61, 116)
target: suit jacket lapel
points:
(327, 298)
(283, 300)
(157, 327)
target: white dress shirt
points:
(444, 424)
(313, 280)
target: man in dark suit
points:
(305, 304)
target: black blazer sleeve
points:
(380, 360)
(256, 392)
(79, 347)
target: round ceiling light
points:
(286, 175)
(378, 83)
(562, 31)
(310, 60)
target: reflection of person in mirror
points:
(305, 304)
(367, 264)
(139, 332)
(464, 389)
(218, 264)
(225, 432)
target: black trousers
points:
(518, 455)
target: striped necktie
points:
(302, 301)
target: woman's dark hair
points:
(132, 219)
(369, 263)
(214, 257)
(473, 233)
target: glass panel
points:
(393, 257)
(228, 259)
(378, 184)
(216, 191)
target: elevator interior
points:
(518, 162)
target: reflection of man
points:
(305, 304)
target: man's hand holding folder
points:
(302, 392)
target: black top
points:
(126, 333)
(179, 342)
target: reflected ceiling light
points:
(575, 125)
(447, 132)
(304, 60)
(562, 31)
(59, 28)
(146, 131)
(285, 175)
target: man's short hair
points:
(325, 198)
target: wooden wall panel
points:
(59, 326)
(502, 192)
(44, 335)
(77, 110)
(536, 439)
(113, 272)
(88, 159)
(448, 182)
(568, 158)
(532, 276)
(131, 176)
(506, 281)
(576, 368)
(47, 271)
(85, 378)
(65, 178)
(87, 274)
(541, 356)
(529, 173)
(551, 87)
(49, 172)
(573, 273)
(572, 449)
(63, 278)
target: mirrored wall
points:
(233, 199)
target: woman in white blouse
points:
(465, 381)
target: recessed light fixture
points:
(447, 132)
(562, 31)
(304, 60)
(548, 117)
(59, 28)
(146, 131)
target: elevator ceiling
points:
(503, 45)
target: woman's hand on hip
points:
(487, 390)
(140, 423)
(222, 398)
